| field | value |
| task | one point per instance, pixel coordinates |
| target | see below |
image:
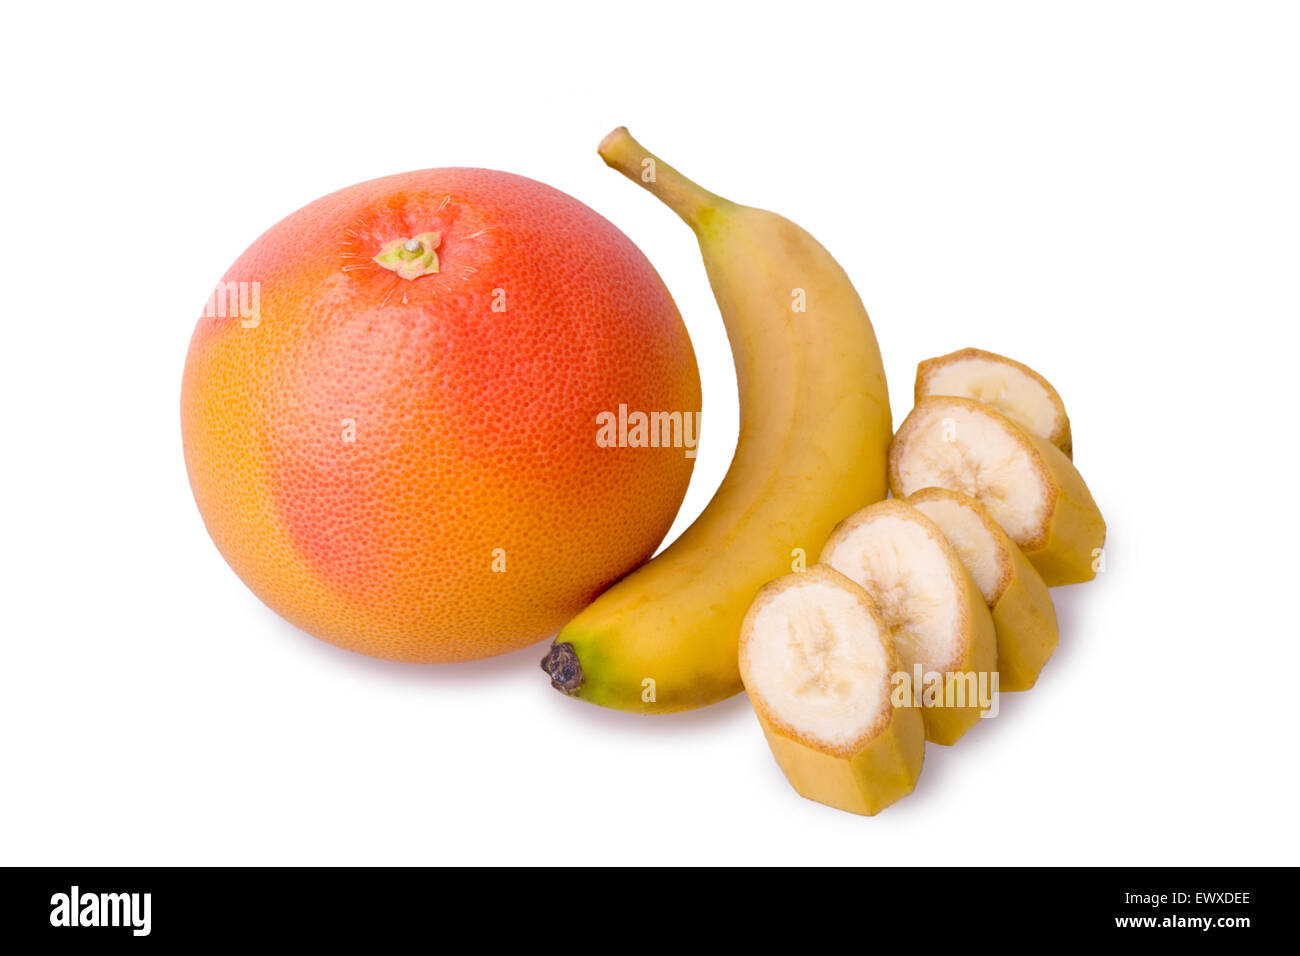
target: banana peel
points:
(834, 731)
(941, 624)
(1027, 484)
(1024, 617)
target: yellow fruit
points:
(1027, 484)
(1019, 601)
(818, 661)
(814, 436)
(1014, 389)
(940, 622)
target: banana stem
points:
(693, 203)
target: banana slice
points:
(938, 616)
(1027, 484)
(1019, 601)
(1016, 390)
(818, 662)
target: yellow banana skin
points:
(815, 430)
(880, 774)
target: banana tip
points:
(607, 145)
(561, 662)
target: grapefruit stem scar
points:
(411, 258)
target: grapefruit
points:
(392, 413)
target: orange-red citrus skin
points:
(369, 451)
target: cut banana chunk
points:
(1023, 614)
(938, 617)
(818, 662)
(1015, 390)
(1027, 484)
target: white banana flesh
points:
(818, 661)
(938, 617)
(1027, 484)
(1020, 603)
(1011, 387)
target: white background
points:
(1107, 191)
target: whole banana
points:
(814, 436)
